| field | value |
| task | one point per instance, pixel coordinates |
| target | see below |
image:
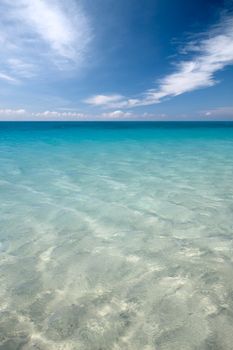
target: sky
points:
(116, 60)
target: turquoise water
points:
(116, 236)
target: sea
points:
(116, 235)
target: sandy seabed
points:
(116, 243)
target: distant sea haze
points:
(116, 236)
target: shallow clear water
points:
(116, 236)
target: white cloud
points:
(211, 54)
(39, 35)
(72, 115)
(100, 100)
(12, 112)
(63, 30)
(56, 114)
(118, 115)
(21, 68)
(8, 78)
(21, 114)
(220, 113)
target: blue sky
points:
(116, 60)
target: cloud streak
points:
(6, 112)
(21, 114)
(220, 113)
(210, 54)
(40, 35)
(8, 78)
(100, 100)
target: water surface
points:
(116, 236)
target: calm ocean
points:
(116, 236)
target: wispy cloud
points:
(56, 115)
(23, 114)
(72, 115)
(100, 100)
(12, 112)
(220, 113)
(118, 115)
(38, 34)
(22, 69)
(8, 78)
(212, 52)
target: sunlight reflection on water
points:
(117, 241)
